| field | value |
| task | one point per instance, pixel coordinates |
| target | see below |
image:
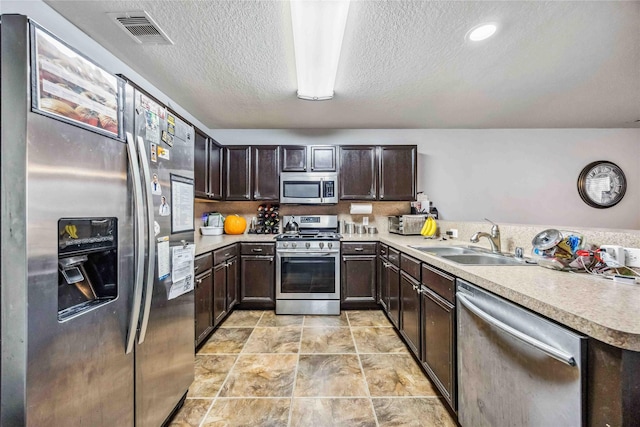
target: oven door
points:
(307, 275)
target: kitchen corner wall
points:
(517, 176)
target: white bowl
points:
(211, 231)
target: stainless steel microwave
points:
(309, 188)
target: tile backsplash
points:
(249, 210)
(512, 235)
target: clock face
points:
(602, 184)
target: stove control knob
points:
(285, 244)
(329, 245)
(321, 244)
(307, 245)
(293, 245)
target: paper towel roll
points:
(361, 208)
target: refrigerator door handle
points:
(140, 240)
(151, 258)
(544, 347)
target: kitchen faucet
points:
(494, 236)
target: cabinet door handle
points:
(196, 268)
(199, 281)
(227, 254)
(359, 249)
(256, 250)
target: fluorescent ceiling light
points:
(482, 32)
(318, 29)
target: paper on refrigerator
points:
(182, 258)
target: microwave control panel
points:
(329, 190)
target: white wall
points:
(519, 176)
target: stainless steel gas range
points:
(308, 267)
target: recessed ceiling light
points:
(481, 32)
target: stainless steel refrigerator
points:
(97, 308)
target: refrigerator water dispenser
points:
(87, 264)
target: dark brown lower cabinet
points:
(257, 283)
(203, 297)
(438, 343)
(410, 311)
(358, 275)
(383, 284)
(225, 282)
(439, 330)
(219, 306)
(233, 275)
(257, 276)
(392, 277)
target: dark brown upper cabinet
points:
(252, 172)
(294, 158)
(313, 158)
(238, 172)
(266, 173)
(207, 168)
(323, 158)
(358, 173)
(398, 170)
(382, 173)
(215, 171)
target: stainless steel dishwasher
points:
(516, 368)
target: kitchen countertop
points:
(599, 308)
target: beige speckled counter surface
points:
(211, 243)
(599, 308)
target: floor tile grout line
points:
(227, 376)
(295, 375)
(357, 396)
(364, 376)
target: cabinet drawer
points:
(202, 263)
(411, 266)
(393, 256)
(439, 282)
(257, 248)
(364, 248)
(223, 254)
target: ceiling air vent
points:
(141, 27)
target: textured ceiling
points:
(404, 64)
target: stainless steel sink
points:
(445, 250)
(469, 255)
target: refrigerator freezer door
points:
(165, 360)
(77, 368)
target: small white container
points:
(211, 231)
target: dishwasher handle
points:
(557, 354)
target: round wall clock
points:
(602, 184)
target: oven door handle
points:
(308, 254)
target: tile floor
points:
(352, 370)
